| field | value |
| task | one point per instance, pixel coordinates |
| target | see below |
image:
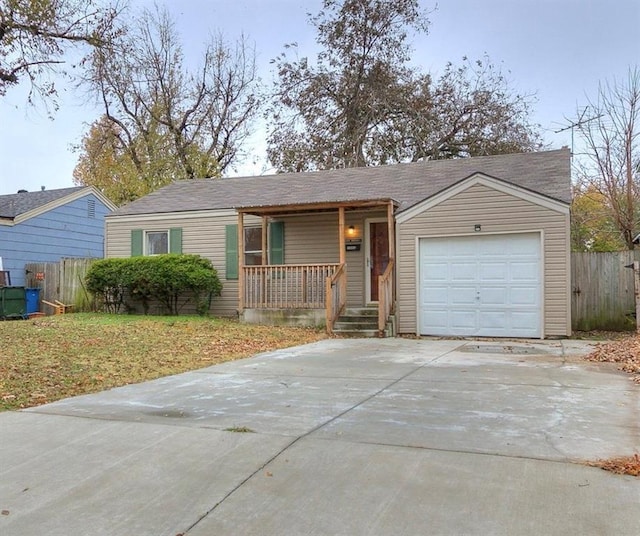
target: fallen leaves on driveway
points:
(626, 352)
(624, 465)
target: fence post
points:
(636, 286)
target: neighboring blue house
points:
(48, 225)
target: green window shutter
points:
(276, 242)
(175, 240)
(231, 251)
(136, 242)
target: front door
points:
(378, 255)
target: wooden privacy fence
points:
(602, 287)
(602, 290)
(60, 281)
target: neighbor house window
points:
(156, 242)
(253, 246)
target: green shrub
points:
(108, 280)
(172, 280)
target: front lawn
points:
(66, 355)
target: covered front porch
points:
(282, 277)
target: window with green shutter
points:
(231, 251)
(175, 240)
(156, 242)
(136, 242)
(276, 247)
(276, 242)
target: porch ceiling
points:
(276, 210)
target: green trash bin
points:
(13, 302)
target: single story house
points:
(465, 247)
(48, 225)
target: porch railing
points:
(385, 295)
(287, 286)
(336, 296)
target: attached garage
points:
(487, 285)
(485, 258)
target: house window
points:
(156, 242)
(253, 246)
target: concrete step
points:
(362, 322)
(355, 323)
(357, 333)
(361, 311)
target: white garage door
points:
(487, 286)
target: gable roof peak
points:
(22, 202)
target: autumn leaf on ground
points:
(623, 465)
(625, 352)
(67, 355)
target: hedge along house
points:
(467, 247)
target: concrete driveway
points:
(370, 437)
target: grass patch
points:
(56, 357)
(240, 430)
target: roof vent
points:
(23, 191)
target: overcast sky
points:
(557, 49)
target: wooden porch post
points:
(392, 236)
(240, 262)
(636, 279)
(341, 234)
(265, 260)
(343, 259)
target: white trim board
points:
(163, 216)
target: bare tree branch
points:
(178, 123)
(610, 129)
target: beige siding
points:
(202, 235)
(309, 239)
(497, 212)
(313, 238)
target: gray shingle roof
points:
(12, 205)
(547, 173)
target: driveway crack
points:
(311, 431)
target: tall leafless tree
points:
(610, 162)
(163, 107)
